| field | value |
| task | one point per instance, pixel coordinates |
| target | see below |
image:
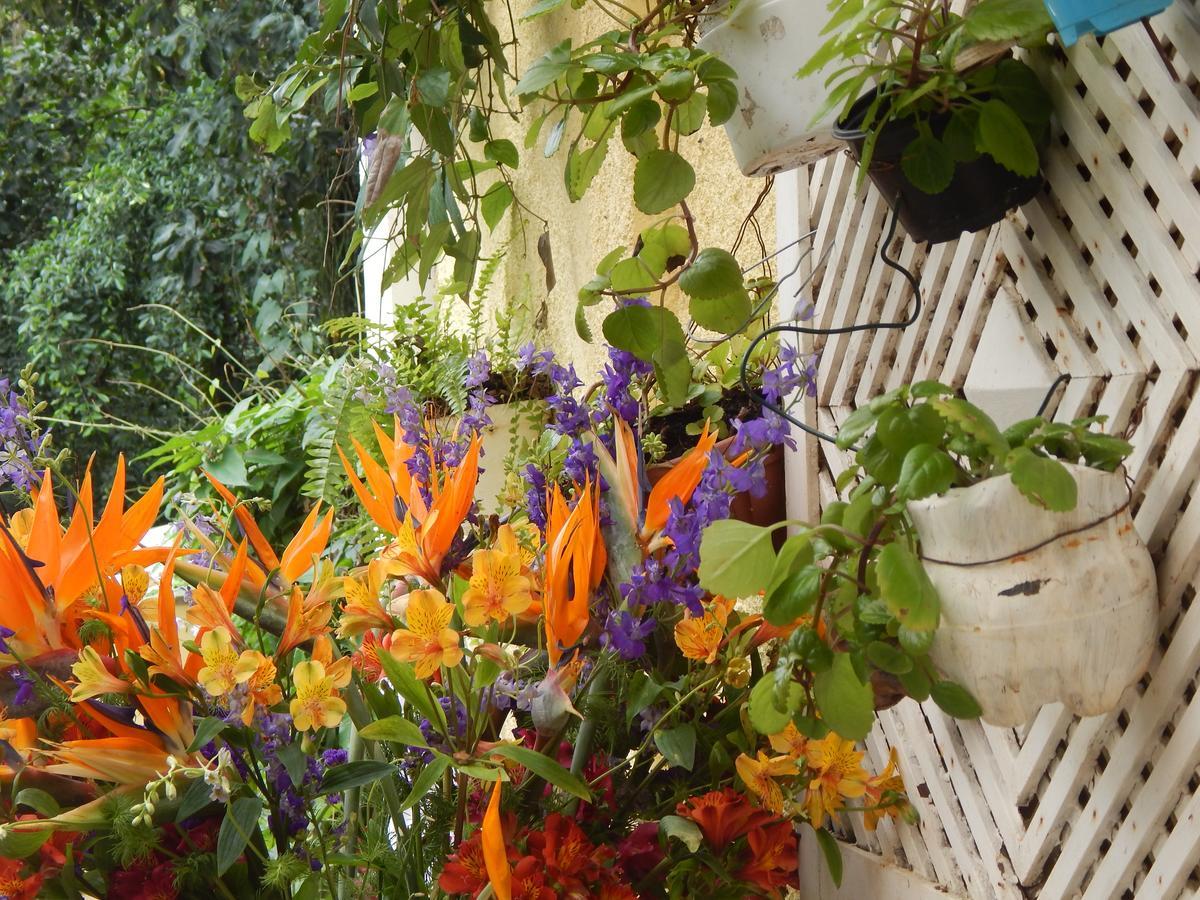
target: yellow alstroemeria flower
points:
(316, 704)
(363, 611)
(257, 672)
(428, 642)
(837, 774)
(700, 638)
(759, 777)
(94, 678)
(885, 794)
(789, 742)
(219, 674)
(497, 588)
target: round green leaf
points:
(676, 85)
(715, 273)
(662, 178)
(1044, 481)
(926, 471)
(1004, 137)
(724, 315)
(765, 714)
(888, 658)
(927, 163)
(642, 330)
(955, 700)
(736, 558)
(847, 704)
(794, 597)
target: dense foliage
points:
(154, 263)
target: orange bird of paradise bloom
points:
(575, 561)
(424, 517)
(622, 470)
(51, 578)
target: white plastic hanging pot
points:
(766, 42)
(508, 425)
(1037, 606)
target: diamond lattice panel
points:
(1097, 280)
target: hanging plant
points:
(992, 571)
(939, 114)
(773, 129)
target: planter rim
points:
(956, 493)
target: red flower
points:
(529, 882)
(366, 659)
(638, 853)
(570, 858)
(612, 889)
(723, 816)
(144, 883)
(464, 872)
(773, 857)
(15, 887)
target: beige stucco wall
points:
(582, 233)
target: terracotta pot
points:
(768, 509)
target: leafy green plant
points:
(948, 76)
(864, 611)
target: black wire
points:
(844, 329)
(1061, 379)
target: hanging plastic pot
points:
(1075, 18)
(981, 193)
(1037, 606)
(766, 42)
(510, 422)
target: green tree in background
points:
(154, 264)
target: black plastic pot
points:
(980, 195)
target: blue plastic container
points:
(1074, 18)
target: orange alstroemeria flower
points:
(773, 858)
(575, 562)
(307, 619)
(363, 610)
(789, 742)
(497, 588)
(837, 774)
(428, 642)
(759, 774)
(700, 637)
(396, 502)
(723, 816)
(14, 885)
(885, 796)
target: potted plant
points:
(1075, 18)
(943, 119)
(773, 129)
(994, 571)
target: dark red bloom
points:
(144, 883)
(639, 852)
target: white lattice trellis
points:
(1096, 279)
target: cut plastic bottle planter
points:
(1075, 18)
(1037, 606)
(766, 42)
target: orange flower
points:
(258, 673)
(428, 642)
(789, 742)
(773, 857)
(700, 638)
(366, 658)
(885, 794)
(363, 610)
(13, 886)
(497, 589)
(307, 619)
(759, 777)
(396, 502)
(575, 561)
(723, 816)
(495, 854)
(46, 571)
(837, 774)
